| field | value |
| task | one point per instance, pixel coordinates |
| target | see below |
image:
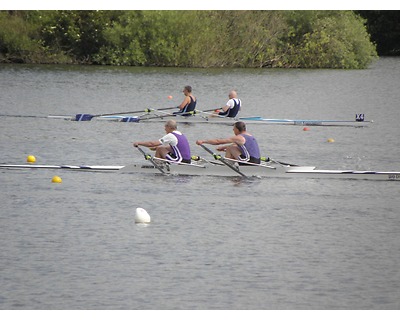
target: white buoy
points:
(142, 216)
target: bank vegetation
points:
(258, 39)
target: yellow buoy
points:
(330, 140)
(31, 159)
(56, 179)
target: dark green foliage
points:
(308, 39)
(384, 27)
(19, 38)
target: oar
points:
(200, 159)
(208, 110)
(247, 163)
(189, 113)
(267, 159)
(178, 163)
(220, 158)
(151, 159)
(165, 115)
(88, 117)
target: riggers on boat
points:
(198, 116)
(269, 170)
(202, 167)
(248, 120)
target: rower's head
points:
(232, 94)
(170, 126)
(239, 127)
(187, 90)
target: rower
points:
(174, 146)
(188, 104)
(232, 107)
(242, 146)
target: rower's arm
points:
(184, 103)
(225, 108)
(213, 141)
(149, 144)
(235, 139)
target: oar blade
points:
(84, 117)
(218, 157)
(130, 119)
(88, 117)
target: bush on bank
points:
(286, 39)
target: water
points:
(214, 243)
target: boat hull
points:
(231, 121)
(221, 170)
(65, 167)
(219, 120)
(263, 171)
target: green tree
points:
(308, 39)
(77, 33)
(19, 37)
(328, 39)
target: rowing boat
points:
(271, 169)
(205, 117)
(248, 120)
(198, 116)
(66, 167)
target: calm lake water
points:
(213, 243)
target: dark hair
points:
(188, 88)
(240, 125)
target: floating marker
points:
(142, 216)
(31, 159)
(56, 179)
(331, 140)
(306, 129)
(169, 97)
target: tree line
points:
(286, 39)
(384, 28)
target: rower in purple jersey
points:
(173, 146)
(242, 146)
